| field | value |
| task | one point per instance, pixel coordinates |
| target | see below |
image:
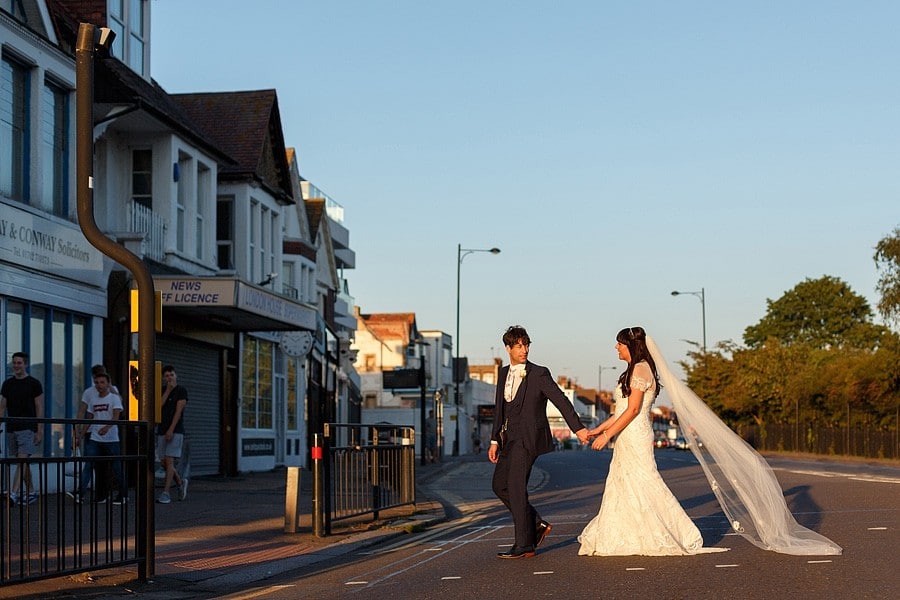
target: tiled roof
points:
(315, 208)
(391, 326)
(247, 124)
(88, 11)
(117, 84)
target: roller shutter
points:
(198, 369)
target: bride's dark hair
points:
(635, 339)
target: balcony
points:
(143, 220)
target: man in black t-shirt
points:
(22, 396)
(170, 433)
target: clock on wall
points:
(296, 343)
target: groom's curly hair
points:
(515, 334)
(635, 339)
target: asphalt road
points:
(856, 505)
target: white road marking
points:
(450, 577)
(815, 562)
(416, 560)
(850, 476)
(543, 573)
(257, 593)
(356, 583)
(876, 528)
(726, 566)
(635, 569)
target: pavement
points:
(230, 531)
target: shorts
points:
(173, 448)
(21, 442)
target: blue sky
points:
(614, 151)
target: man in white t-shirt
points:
(102, 475)
(102, 438)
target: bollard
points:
(318, 493)
(292, 501)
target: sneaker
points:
(120, 499)
(75, 496)
(13, 498)
(183, 487)
(164, 498)
(100, 500)
(32, 498)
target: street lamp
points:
(600, 369)
(702, 295)
(461, 253)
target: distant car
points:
(681, 444)
(661, 443)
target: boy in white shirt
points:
(103, 438)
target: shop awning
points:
(229, 304)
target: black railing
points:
(812, 438)
(47, 534)
(362, 469)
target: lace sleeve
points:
(642, 377)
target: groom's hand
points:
(492, 453)
(582, 435)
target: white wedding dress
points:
(639, 514)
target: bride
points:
(640, 515)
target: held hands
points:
(601, 441)
(583, 435)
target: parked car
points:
(681, 444)
(661, 443)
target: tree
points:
(823, 313)
(887, 261)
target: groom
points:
(522, 433)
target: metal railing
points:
(49, 534)
(812, 438)
(360, 469)
(143, 220)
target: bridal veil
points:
(741, 479)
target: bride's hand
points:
(600, 442)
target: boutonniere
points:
(522, 374)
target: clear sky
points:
(614, 152)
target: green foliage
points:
(887, 261)
(821, 313)
(816, 356)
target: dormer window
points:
(130, 20)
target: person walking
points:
(101, 469)
(521, 433)
(639, 514)
(170, 433)
(22, 396)
(103, 440)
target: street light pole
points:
(600, 369)
(702, 295)
(461, 253)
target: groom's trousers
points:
(510, 484)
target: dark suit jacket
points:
(527, 413)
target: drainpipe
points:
(92, 40)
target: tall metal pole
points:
(702, 295)
(90, 40)
(600, 377)
(461, 253)
(424, 458)
(703, 313)
(456, 365)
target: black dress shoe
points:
(517, 552)
(541, 532)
